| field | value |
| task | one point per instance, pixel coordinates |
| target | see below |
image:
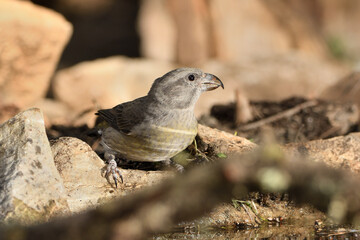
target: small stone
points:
(81, 170)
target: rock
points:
(105, 83)
(32, 189)
(83, 174)
(32, 39)
(337, 152)
(80, 168)
(223, 142)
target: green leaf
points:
(221, 155)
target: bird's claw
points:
(112, 168)
(115, 177)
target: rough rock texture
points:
(223, 142)
(31, 187)
(337, 152)
(83, 174)
(32, 39)
(105, 83)
(80, 169)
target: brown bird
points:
(159, 125)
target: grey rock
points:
(31, 187)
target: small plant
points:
(221, 155)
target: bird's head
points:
(182, 87)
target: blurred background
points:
(194, 31)
(72, 57)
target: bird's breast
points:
(155, 140)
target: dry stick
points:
(273, 118)
(329, 132)
(197, 191)
(243, 112)
(248, 213)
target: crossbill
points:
(159, 125)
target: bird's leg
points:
(112, 167)
(179, 168)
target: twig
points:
(252, 206)
(248, 213)
(273, 118)
(243, 112)
(329, 132)
(244, 205)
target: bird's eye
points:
(191, 77)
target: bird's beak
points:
(210, 82)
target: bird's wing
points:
(125, 116)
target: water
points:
(283, 231)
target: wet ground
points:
(277, 231)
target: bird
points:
(159, 125)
